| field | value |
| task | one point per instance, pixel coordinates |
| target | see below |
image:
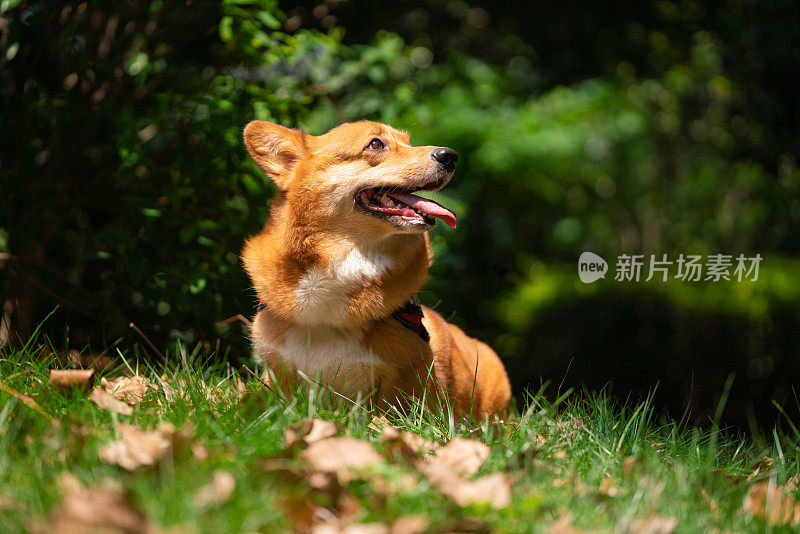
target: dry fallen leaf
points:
(494, 489)
(218, 491)
(388, 433)
(417, 443)
(463, 455)
(199, 452)
(309, 431)
(408, 444)
(136, 447)
(772, 504)
(366, 528)
(653, 525)
(129, 389)
(386, 486)
(762, 465)
(607, 487)
(104, 508)
(70, 379)
(378, 423)
(410, 524)
(106, 401)
(340, 456)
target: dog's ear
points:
(276, 149)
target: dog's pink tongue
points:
(428, 206)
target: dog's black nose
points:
(446, 156)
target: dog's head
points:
(360, 174)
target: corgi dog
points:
(340, 260)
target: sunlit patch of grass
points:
(600, 463)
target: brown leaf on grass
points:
(182, 442)
(608, 487)
(408, 444)
(104, 508)
(366, 528)
(410, 524)
(653, 525)
(341, 456)
(463, 455)
(69, 379)
(389, 433)
(297, 509)
(378, 423)
(494, 489)
(199, 452)
(386, 486)
(762, 465)
(308, 432)
(218, 491)
(136, 447)
(129, 389)
(417, 443)
(447, 468)
(106, 401)
(773, 504)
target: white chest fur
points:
(322, 293)
(312, 349)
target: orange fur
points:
(331, 274)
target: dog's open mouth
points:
(412, 209)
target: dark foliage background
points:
(639, 128)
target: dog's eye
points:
(376, 144)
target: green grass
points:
(606, 464)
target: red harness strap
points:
(410, 316)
